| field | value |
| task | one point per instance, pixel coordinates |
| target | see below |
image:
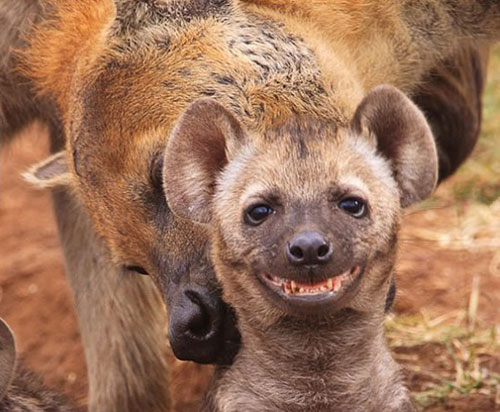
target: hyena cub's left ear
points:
(403, 137)
(7, 357)
(205, 137)
(49, 173)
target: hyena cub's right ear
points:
(403, 137)
(7, 357)
(49, 173)
(205, 137)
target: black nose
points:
(202, 328)
(195, 323)
(308, 248)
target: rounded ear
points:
(49, 173)
(205, 137)
(403, 137)
(7, 357)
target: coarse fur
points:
(27, 393)
(20, 390)
(117, 76)
(129, 372)
(18, 104)
(291, 69)
(304, 356)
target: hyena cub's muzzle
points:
(311, 278)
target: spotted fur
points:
(114, 77)
(333, 357)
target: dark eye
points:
(256, 214)
(354, 206)
(138, 269)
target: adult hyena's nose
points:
(308, 249)
(202, 329)
(195, 324)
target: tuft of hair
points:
(28, 393)
(68, 41)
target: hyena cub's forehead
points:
(307, 157)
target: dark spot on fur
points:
(226, 80)
(168, 84)
(76, 163)
(208, 92)
(188, 10)
(302, 148)
(164, 43)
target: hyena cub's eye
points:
(354, 206)
(138, 269)
(256, 214)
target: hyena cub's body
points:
(20, 390)
(304, 220)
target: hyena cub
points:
(21, 391)
(304, 220)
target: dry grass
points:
(465, 356)
(461, 357)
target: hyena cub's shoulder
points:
(20, 390)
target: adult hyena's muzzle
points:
(203, 327)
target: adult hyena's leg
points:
(121, 317)
(451, 98)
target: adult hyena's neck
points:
(340, 366)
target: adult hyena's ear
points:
(7, 357)
(205, 137)
(403, 137)
(49, 173)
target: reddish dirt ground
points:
(36, 301)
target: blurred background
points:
(444, 329)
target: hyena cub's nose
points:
(308, 248)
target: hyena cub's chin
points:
(304, 217)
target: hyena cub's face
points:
(304, 217)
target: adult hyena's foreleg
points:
(121, 317)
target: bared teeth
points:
(291, 287)
(329, 284)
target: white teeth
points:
(291, 287)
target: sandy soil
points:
(36, 301)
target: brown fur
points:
(18, 105)
(121, 317)
(171, 75)
(28, 394)
(302, 358)
(120, 92)
(22, 391)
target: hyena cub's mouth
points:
(329, 287)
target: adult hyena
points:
(113, 78)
